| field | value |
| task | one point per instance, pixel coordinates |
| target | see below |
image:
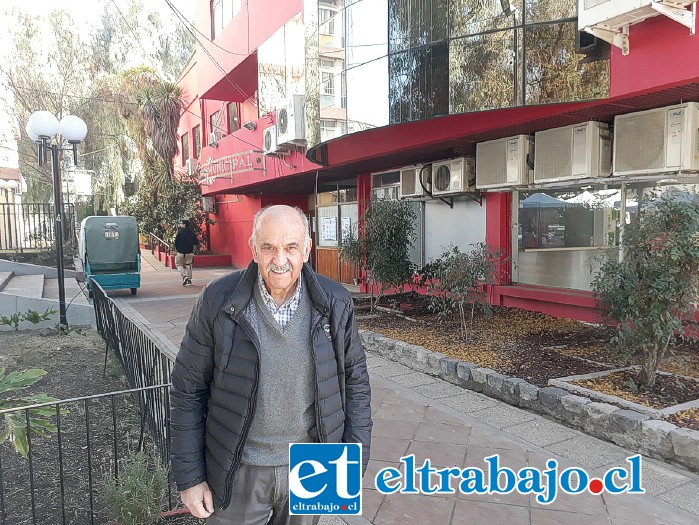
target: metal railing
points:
(156, 243)
(32, 226)
(60, 480)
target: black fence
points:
(32, 226)
(61, 479)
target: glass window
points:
(327, 83)
(184, 146)
(416, 23)
(233, 118)
(548, 10)
(326, 21)
(569, 219)
(552, 69)
(222, 12)
(469, 17)
(197, 141)
(482, 72)
(215, 122)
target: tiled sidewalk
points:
(418, 414)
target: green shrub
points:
(138, 495)
(654, 286)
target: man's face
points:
(280, 249)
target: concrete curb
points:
(628, 428)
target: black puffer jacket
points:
(215, 379)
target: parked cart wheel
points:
(133, 291)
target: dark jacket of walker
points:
(209, 425)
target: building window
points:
(222, 12)
(326, 21)
(327, 83)
(197, 141)
(215, 122)
(233, 118)
(184, 146)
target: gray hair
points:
(263, 211)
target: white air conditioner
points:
(208, 204)
(269, 140)
(610, 19)
(505, 163)
(214, 137)
(663, 140)
(291, 121)
(581, 151)
(410, 181)
(453, 176)
(191, 166)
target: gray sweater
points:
(285, 406)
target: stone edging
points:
(624, 427)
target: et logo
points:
(325, 478)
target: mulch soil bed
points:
(74, 363)
(538, 347)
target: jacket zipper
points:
(316, 404)
(243, 433)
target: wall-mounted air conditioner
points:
(453, 176)
(410, 181)
(191, 167)
(208, 204)
(269, 140)
(662, 140)
(214, 137)
(581, 151)
(505, 163)
(610, 19)
(291, 121)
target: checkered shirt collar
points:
(285, 312)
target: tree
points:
(655, 285)
(457, 279)
(381, 245)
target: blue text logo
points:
(325, 478)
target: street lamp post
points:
(44, 129)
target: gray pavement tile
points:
(515, 458)
(443, 433)
(624, 509)
(583, 503)
(402, 509)
(438, 389)
(438, 415)
(390, 450)
(440, 455)
(488, 437)
(548, 516)
(685, 497)
(542, 432)
(502, 415)
(391, 369)
(469, 402)
(371, 502)
(469, 512)
(394, 428)
(413, 379)
(657, 479)
(590, 452)
(514, 498)
(394, 410)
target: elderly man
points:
(270, 356)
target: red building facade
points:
(379, 94)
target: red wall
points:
(661, 52)
(233, 227)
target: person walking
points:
(271, 356)
(186, 243)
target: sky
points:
(86, 14)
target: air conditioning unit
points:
(410, 181)
(581, 151)
(208, 204)
(453, 176)
(657, 141)
(610, 19)
(269, 140)
(191, 166)
(505, 163)
(214, 137)
(291, 121)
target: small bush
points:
(137, 496)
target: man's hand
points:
(199, 500)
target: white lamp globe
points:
(42, 124)
(73, 128)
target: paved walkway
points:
(418, 414)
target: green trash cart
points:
(109, 252)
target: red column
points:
(498, 216)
